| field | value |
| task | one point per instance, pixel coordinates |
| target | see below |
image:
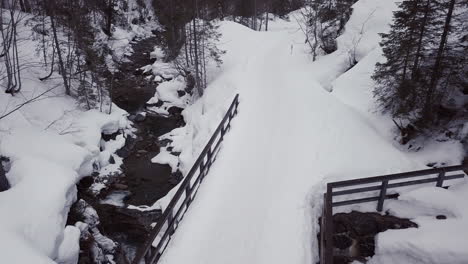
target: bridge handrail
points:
(168, 219)
(326, 223)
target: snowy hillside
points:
(291, 136)
(51, 142)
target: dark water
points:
(141, 182)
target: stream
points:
(114, 229)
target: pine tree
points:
(425, 61)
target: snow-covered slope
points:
(51, 143)
(260, 202)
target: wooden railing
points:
(373, 185)
(160, 235)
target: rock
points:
(174, 110)
(441, 217)
(140, 117)
(153, 60)
(158, 79)
(366, 246)
(342, 241)
(131, 118)
(120, 186)
(175, 153)
(163, 142)
(123, 152)
(88, 214)
(181, 93)
(142, 151)
(134, 224)
(363, 224)
(108, 245)
(111, 159)
(85, 182)
(341, 260)
(354, 233)
(176, 177)
(4, 184)
(138, 72)
(108, 137)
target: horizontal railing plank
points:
(395, 176)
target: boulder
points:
(140, 117)
(354, 233)
(4, 184)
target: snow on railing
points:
(161, 234)
(370, 186)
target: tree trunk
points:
(421, 35)
(59, 55)
(197, 61)
(110, 13)
(437, 65)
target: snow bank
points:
(51, 143)
(435, 241)
(164, 157)
(45, 167)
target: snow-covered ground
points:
(263, 195)
(435, 241)
(262, 198)
(52, 143)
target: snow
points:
(434, 241)
(157, 53)
(116, 198)
(262, 198)
(45, 166)
(70, 246)
(51, 144)
(164, 157)
(261, 201)
(167, 92)
(38, 217)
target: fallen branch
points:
(27, 102)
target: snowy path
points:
(254, 207)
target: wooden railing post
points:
(440, 179)
(223, 131)
(322, 246)
(188, 195)
(328, 226)
(237, 105)
(148, 255)
(383, 194)
(202, 170)
(170, 219)
(209, 154)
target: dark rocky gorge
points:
(114, 231)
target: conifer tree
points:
(425, 66)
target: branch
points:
(27, 102)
